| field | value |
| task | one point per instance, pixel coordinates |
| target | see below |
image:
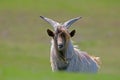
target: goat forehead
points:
(61, 29)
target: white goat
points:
(64, 56)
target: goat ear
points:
(72, 33)
(50, 33)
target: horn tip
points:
(80, 17)
(42, 17)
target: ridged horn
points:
(68, 23)
(50, 21)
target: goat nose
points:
(60, 46)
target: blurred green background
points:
(25, 46)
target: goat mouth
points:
(60, 48)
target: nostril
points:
(60, 46)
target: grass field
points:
(25, 46)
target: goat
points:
(64, 56)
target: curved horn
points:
(50, 21)
(68, 23)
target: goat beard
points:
(61, 54)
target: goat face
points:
(61, 40)
(61, 37)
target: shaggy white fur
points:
(76, 60)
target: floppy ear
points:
(50, 33)
(72, 33)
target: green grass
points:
(25, 45)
